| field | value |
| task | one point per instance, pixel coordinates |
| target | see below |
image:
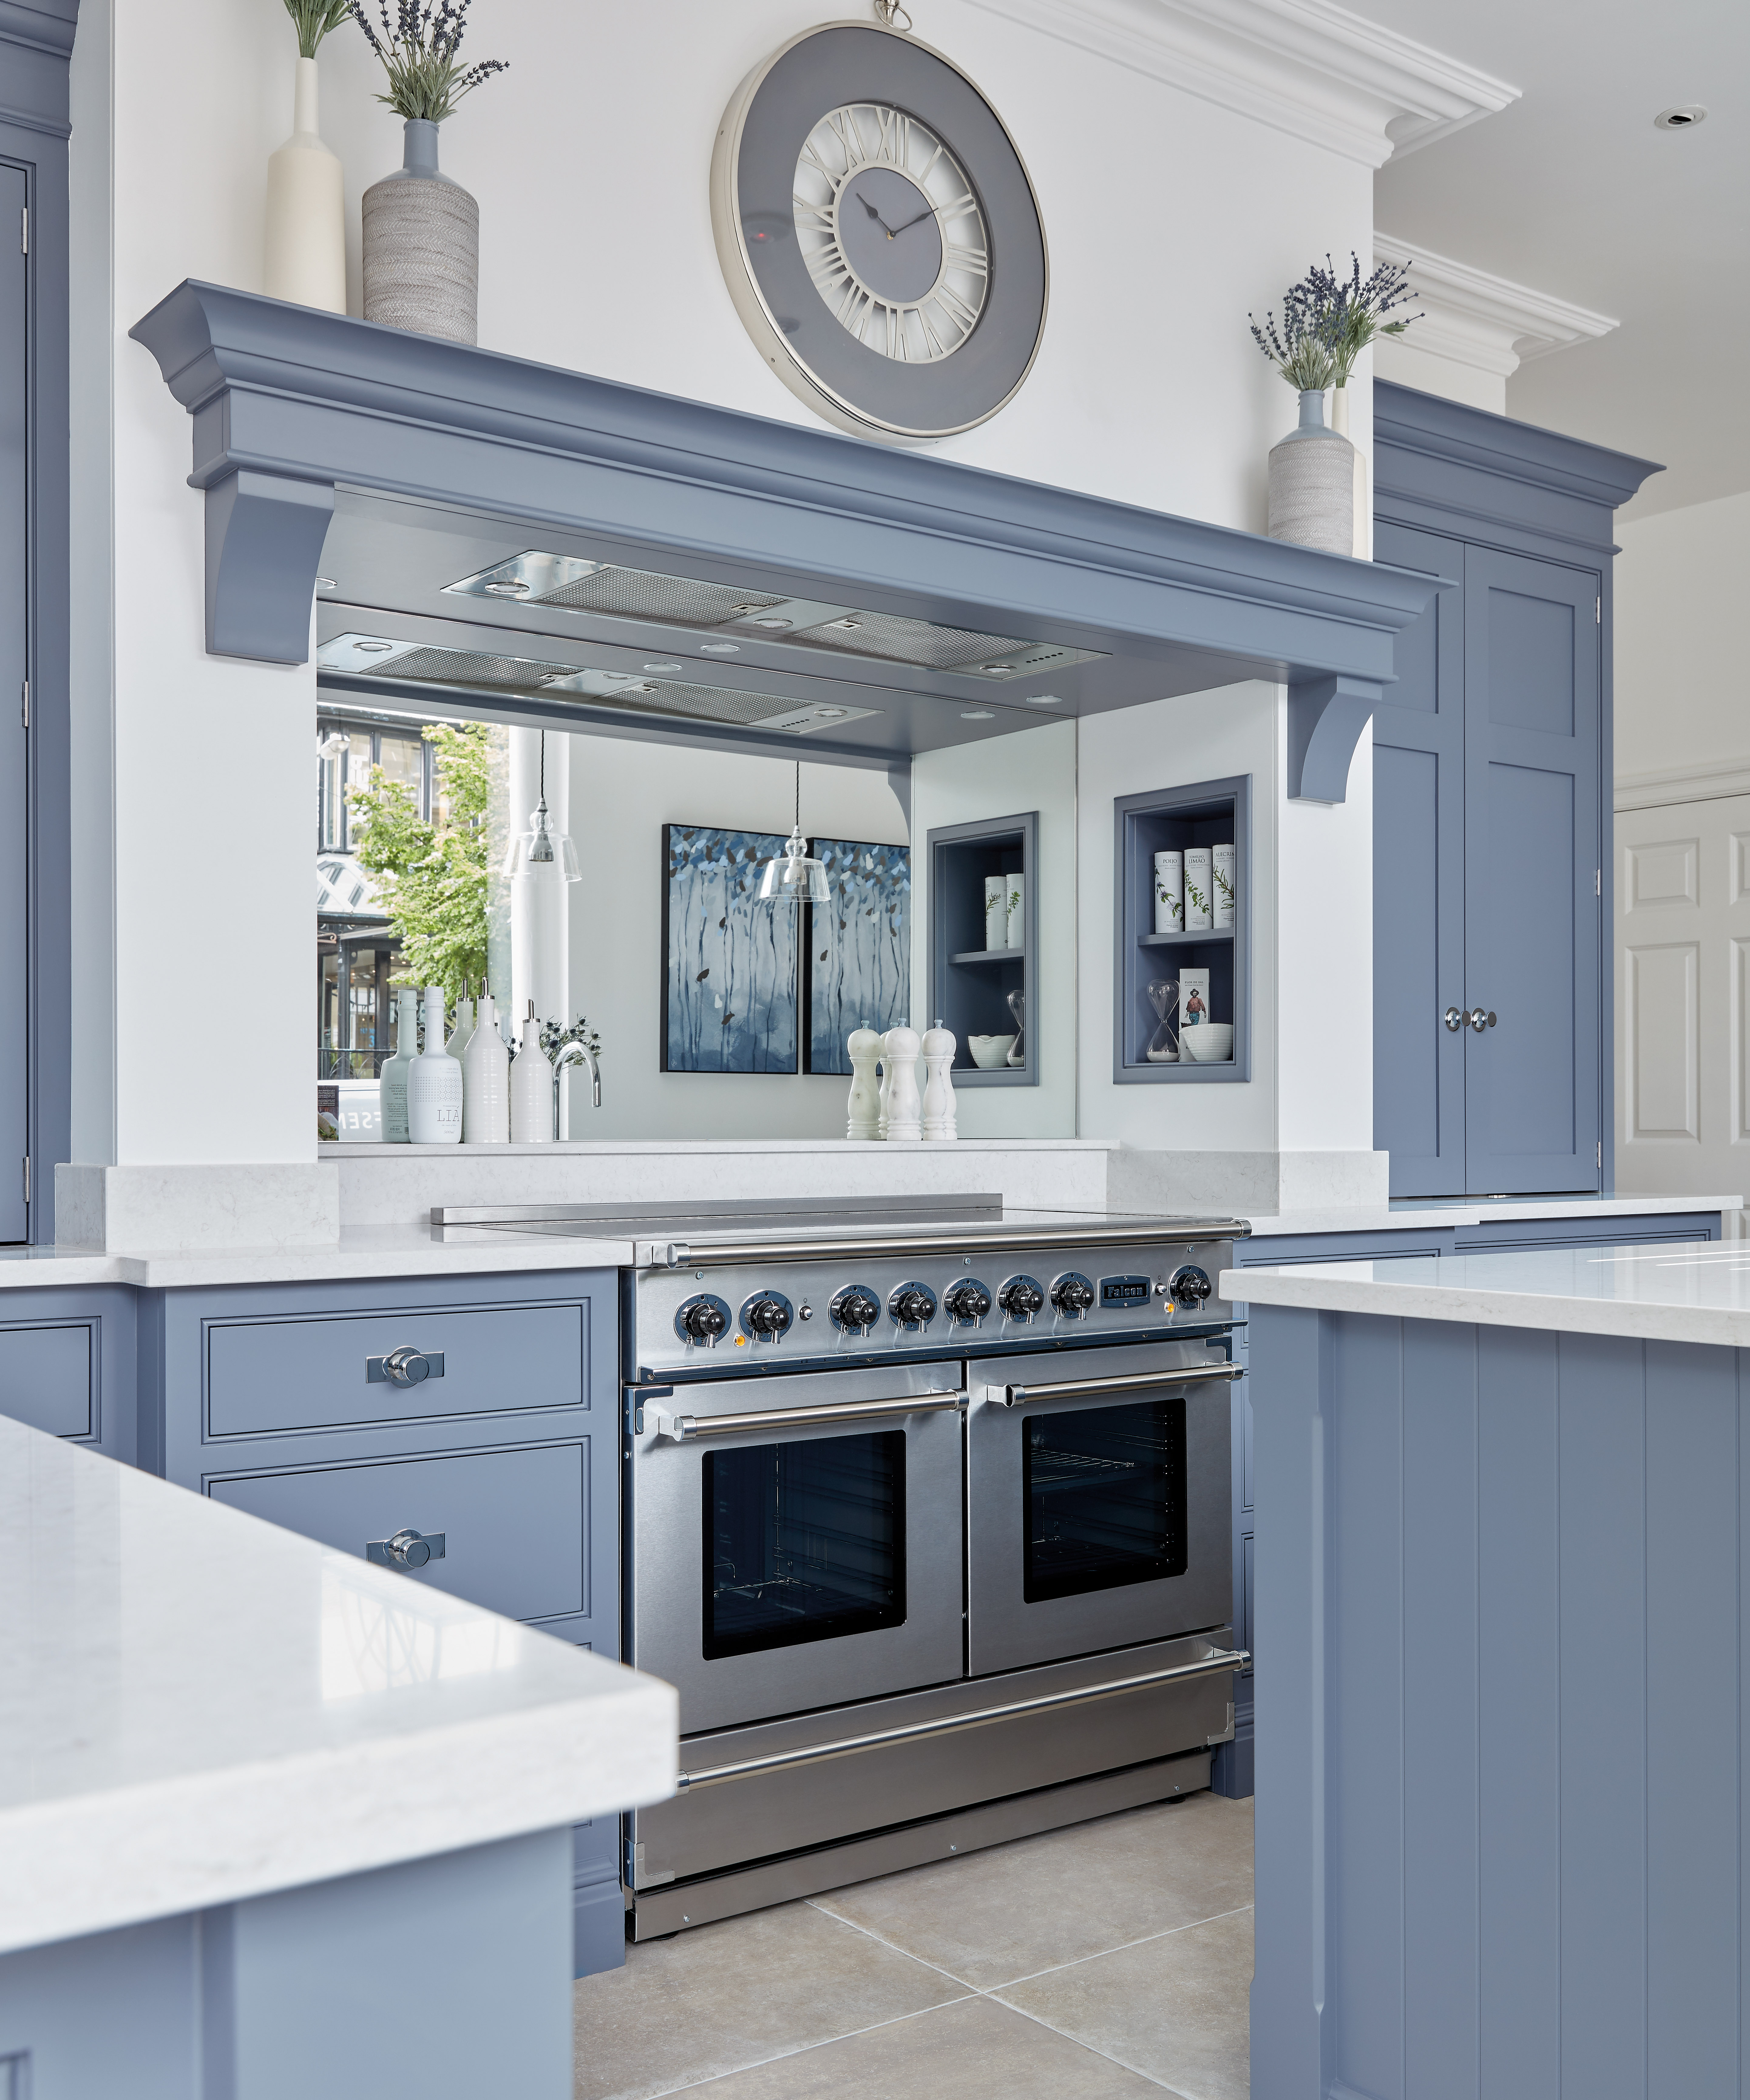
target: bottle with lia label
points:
(435, 1084)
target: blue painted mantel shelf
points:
(287, 402)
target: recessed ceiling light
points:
(326, 582)
(720, 648)
(665, 666)
(772, 622)
(977, 714)
(1044, 700)
(1682, 116)
(998, 670)
(823, 713)
(373, 648)
(512, 587)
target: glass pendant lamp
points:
(543, 847)
(793, 878)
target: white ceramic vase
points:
(1363, 547)
(422, 245)
(530, 1088)
(306, 258)
(391, 1082)
(1313, 483)
(486, 1071)
(862, 1111)
(435, 1084)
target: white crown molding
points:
(1304, 67)
(1488, 322)
(1716, 781)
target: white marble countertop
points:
(196, 1707)
(1443, 1215)
(1670, 1294)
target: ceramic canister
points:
(1016, 923)
(1169, 893)
(1200, 912)
(1224, 876)
(996, 912)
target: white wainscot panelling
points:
(1664, 1015)
(1662, 873)
(1683, 996)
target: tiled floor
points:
(1106, 1962)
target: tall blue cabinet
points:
(1492, 773)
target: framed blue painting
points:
(729, 973)
(858, 962)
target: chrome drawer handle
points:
(407, 1549)
(403, 1367)
(1018, 1396)
(1212, 1665)
(683, 1428)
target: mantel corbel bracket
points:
(264, 536)
(1325, 719)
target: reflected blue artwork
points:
(859, 954)
(729, 996)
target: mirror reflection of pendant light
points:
(795, 878)
(543, 847)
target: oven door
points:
(795, 1542)
(1098, 1487)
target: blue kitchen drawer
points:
(47, 1378)
(266, 1377)
(68, 1364)
(515, 1522)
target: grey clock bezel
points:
(852, 386)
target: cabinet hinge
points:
(1597, 612)
(1601, 1155)
(1598, 882)
(27, 1177)
(24, 704)
(24, 230)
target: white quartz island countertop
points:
(1669, 1294)
(196, 1708)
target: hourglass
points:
(1163, 1045)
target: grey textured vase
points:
(1313, 483)
(422, 246)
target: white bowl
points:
(1210, 1042)
(990, 1052)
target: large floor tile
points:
(1174, 2007)
(975, 2050)
(726, 1995)
(1040, 1902)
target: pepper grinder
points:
(905, 1122)
(863, 1109)
(939, 1105)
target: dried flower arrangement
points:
(1328, 320)
(418, 49)
(314, 19)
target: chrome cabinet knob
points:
(403, 1367)
(1455, 1019)
(1479, 1019)
(406, 1549)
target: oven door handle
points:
(1019, 1395)
(684, 1428)
(1208, 1666)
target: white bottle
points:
(435, 1084)
(905, 1111)
(1169, 893)
(531, 1088)
(391, 1082)
(1200, 917)
(939, 1104)
(486, 1073)
(996, 912)
(1224, 873)
(465, 1027)
(862, 1112)
(307, 225)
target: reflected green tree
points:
(431, 877)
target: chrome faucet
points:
(570, 1053)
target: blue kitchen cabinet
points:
(1491, 780)
(480, 1410)
(67, 1364)
(1232, 1770)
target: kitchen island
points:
(1500, 1612)
(276, 1821)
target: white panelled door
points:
(1683, 998)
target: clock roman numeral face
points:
(892, 233)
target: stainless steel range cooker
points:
(927, 1519)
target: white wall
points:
(623, 792)
(1037, 770)
(1404, 365)
(1169, 217)
(1682, 683)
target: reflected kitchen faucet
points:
(572, 1052)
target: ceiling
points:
(1572, 191)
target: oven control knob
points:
(768, 1315)
(856, 1310)
(912, 1305)
(1021, 1298)
(1072, 1294)
(968, 1301)
(704, 1320)
(1190, 1287)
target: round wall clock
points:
(880, 235)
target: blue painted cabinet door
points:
(1419, 877)
(1533, 735)
(14, 642)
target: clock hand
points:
(879, 221)
(929, 212)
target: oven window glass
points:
(803, 1542)
(1105, 1498)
